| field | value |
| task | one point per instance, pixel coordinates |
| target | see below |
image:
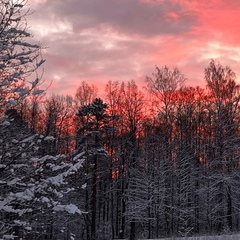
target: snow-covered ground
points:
(222, 237)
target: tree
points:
(187, 161)
(59, 122)
(126, 102)
(91, 139)
(115, 148)
(132, 113)
(30, 109)
(222, 151)
(85, 94)
(164, 85)
(19, 58)
(32, 185)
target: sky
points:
(100, 40)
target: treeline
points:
(159, 162)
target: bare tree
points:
(85, 94)
(164, 86)
(222, 150)
(59, 122)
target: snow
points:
(44, 158)
(28, 195)
(11, 210)
(221, 237)
(75, 167)
(56, 168)
(78, 156)
(28, 139)
(13, 182)
(57, 180)
(42, 192)
(8, 154)
(70, 208)
(6, 124)
(49, 138)
(8, 237)
(34, 159)
(16, 166)
(23, 223)
(45, 200)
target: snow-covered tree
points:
(32, 185)
(20, 57)
(222, 144)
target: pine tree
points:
(91, 137)
(32, 185)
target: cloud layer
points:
(96, 41)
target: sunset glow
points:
(97, 41)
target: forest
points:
(132, 162)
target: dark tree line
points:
(172, 165)
(162, 165)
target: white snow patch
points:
(49, 138)
(6, 123)
(57, 180)
(70, 208)
(28, 139)
(9, 236)
(26, 195)
(78, 156)
(13, 182)
(45, 200)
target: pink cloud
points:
(124, 40)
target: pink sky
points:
(100, 40)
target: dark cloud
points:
(124, 16)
